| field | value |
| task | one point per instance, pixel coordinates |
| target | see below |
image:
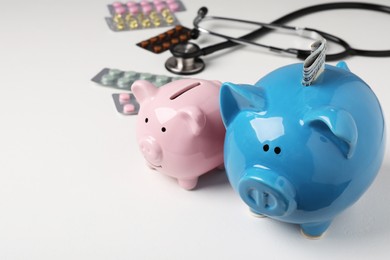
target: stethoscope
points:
(186, 56)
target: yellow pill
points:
(146, 23)
(133, 24)
(118, 18)
(169, 19)
(153, 15)
(120, 26)
(141, 17)
(165, 12)
(156, 22)
(128, 17)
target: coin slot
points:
(184, 90)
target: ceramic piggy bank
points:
(302, 154)
(179, 128)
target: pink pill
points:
(134, 10)
(128, 108)
(144, 3)
(124, 97)
(171, 1)
(174, 7)
(160, 7)
(116, 4)
(156, 2)
(120, 10)
(131, 3)
(146, 9)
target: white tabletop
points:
(73, 184)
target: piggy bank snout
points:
(267, 193)
(151, 150)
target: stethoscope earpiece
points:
(185, 59)
(202, 12)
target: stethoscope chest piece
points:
(185, 59)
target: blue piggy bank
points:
(302, 154)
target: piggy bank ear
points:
(217, 82)
(194, 117)
(235, 98)
(342, 65)
(143, 89)
(340, 123)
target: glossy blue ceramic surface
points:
(302, 154)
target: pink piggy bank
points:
(179, 128)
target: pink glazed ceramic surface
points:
(179, 128)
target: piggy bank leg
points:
(314, 230)
(188, 184)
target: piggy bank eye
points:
(266, 148)
(163, 129)
(146, 120)
(277, 150)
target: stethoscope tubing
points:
(348, 50)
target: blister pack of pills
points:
(166, 40)
(126, 103)
(144, 14)
(120, 79)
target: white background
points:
(73, 184)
